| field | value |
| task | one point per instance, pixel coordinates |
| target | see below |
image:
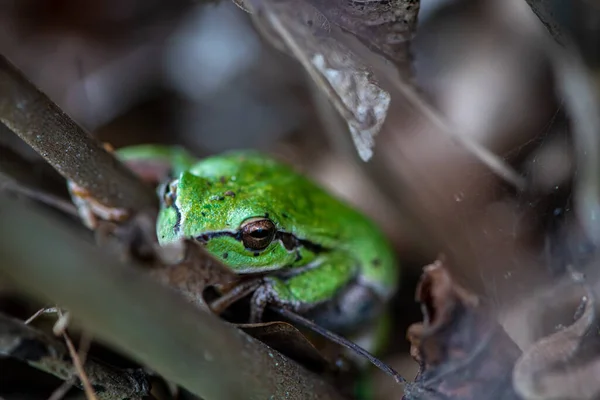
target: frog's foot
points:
(275, 292)
(90, 209)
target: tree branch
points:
(128, 310)
(65, 145)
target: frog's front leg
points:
(307, 289)
(152, 163)
(90, 209)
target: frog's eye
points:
(257, 233)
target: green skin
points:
(325, 258)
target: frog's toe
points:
(259, 302)
(271, 292)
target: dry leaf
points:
(387, 27)
(384, 26)
(289, 341)
(463, 353)
(303, 31)
(564, 365)
(194, 273)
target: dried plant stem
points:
(46, 310)
(62, 390)
(78, 362)
(84, 346)
(491, 160)
(37, 120)
(53, 201)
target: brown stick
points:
(125, 308)
(65, 145)
(45, 353)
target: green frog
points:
(318, 256)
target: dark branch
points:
(65, 145)
(125, 308)
(25, 343)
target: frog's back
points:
(301, 207)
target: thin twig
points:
(45, 310)
(50, 355)
(491, 160)
(62, 390)
(292, 316)
(84, 346)
(46, 198)
(89, 391)
(37, 120)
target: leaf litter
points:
(304, 30)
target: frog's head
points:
(233, 215)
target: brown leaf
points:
(194, 273)
(384, 26)
(289, 341)
(300, 29)
(564, 365)
(462, 351)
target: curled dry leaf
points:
(300, 29)
(387, 27)
(462, 351)
(384, 26)
(564, 365)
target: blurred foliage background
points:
(200, 75)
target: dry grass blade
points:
(337, 71)
(45, 198)
(80, 358)
(78, 362)
(63, 389)
(46, 310)
(491, 160)
(45, 353)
